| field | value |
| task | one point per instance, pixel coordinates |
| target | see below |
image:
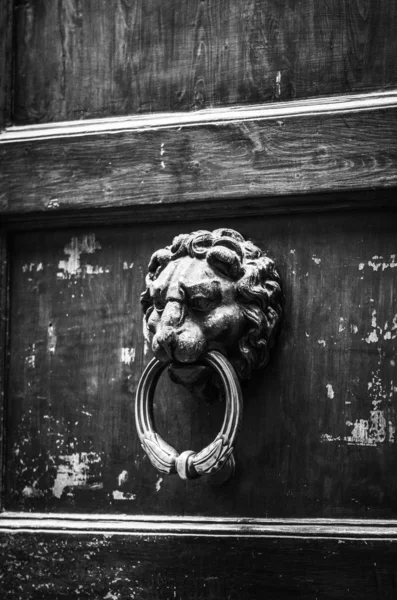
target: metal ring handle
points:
(189, 464)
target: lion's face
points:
(194, 311)
(212, 291)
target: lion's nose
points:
(165, 339)
(173, 314)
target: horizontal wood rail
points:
(210, 116)
(273, 155)
(97, 524)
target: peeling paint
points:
(127, 265)
(31, 358)
(388, 331)
(122, 478)
(322, 343)
(158, 484)
(316, 260)
(31, 491)
(378, 428)
(95, 270)
(74, 471)
(127, 355)
(117, 495)
(71, 267)
(52, 339)
(341, 326)
(368, 432)
(379, 263)
(330, 391)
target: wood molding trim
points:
(276, 152)
(330, 105)
(99, 524)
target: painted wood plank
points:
(84, 60)
(56, 566)
(239, 160)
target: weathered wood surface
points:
(91, 59)
(5, 61)
(41, 566)
(269, 158)
(318, 436)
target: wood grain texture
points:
(152, 568)
(87, 59)
(318, 436)
(6, 62)
(270, 158)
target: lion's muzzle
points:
(177, 337)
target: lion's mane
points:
(258, 290)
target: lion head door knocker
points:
(211, 298)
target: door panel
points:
(318, 436)
(77, 60)
(198, 568)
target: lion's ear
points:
(158, 262)
(226, 261)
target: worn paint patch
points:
(117, 495)
(95, 270)
(316, 260)
(387, 332)
(322, 343)
(52, 339)
(85, 244)
(127, 266)
(378, 428)
(330, 391)
(31, 357)
(127, 355)
(32, 267)
(122, 478)
(31, 491)
(158, 484)
(80, 469)
(368, 432)
(379, 263)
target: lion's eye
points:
(201, 303)
(159, 305)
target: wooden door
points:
(126, 124)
